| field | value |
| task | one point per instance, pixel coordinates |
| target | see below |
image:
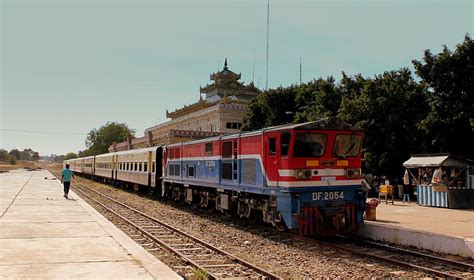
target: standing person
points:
(66, 177)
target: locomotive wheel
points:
(255, 217)
(281, 226)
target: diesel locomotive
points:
(304, 177)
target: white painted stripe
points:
(321, 172)
(313, 183)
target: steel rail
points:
(149, 235)
(406, 251)
(387, 259)
(197, 240)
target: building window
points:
(233, 125)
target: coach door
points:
(272, 158)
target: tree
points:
(449, 77)
(70, 156)
(58, 159)
(15, 153)
(3, 155)
(296, 103)
(26, 154)
(35, 156)
(99, 140)
(317, 99)
(270, 108)
(388, 107)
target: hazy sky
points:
(69, 66)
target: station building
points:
(221, 111)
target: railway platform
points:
(45, 236)
(442, 230)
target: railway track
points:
(196, 256)
(409, 259)
(431, 264)
(221, 265)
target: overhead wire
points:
(41, 132)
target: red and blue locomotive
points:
(297, 176)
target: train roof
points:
(141, 150)
(328, 123)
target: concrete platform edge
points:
(435, 242)
(154, 266)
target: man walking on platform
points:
(66, 177)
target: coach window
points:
(190, 170)
(208, 149)
(153, 167)
(136, 166)
(145, 167)
(285, 143)
(272, 147)
(171, 167)
(140, 166)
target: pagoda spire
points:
(225, 64)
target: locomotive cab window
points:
(347, 145)
(272, 146)
(309, 145)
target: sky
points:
(68, 66)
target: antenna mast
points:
(300, 70)
(268, 39)
(253, 71)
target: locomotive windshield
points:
(347, 145)
(309, 145)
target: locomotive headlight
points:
(303, 174)
(353, 172)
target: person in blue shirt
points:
(66, 177)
